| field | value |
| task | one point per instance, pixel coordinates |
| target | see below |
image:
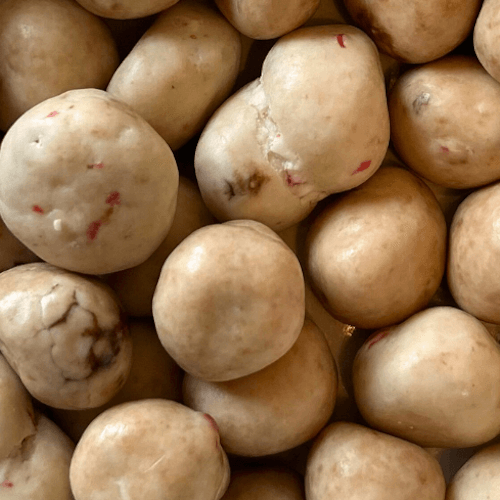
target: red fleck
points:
(373, 339)
(363, 166)
(278, 135)
(340, 39)
(293, 180)
(38, 209)
(7, 484)
(445, 149)
(96, 165)
(54, 113)
(214, 426)
(113, 199)
(93, 229)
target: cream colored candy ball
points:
(443, 122)
(376, 255)
(126, 9)
(64, 335)
(473, 261)
(135, 286)
(152, 449)
(230, 300)
(315, 123)
(39, 468)
(478, 478)
(86, 183)
(180, 71)
(48, 47)
(487, 37)
(432, 380)
(357, 463)
(415, 32)
(274, 409)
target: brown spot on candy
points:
(445, 149)
(96, 165)
(54, 113)
(113, 198)
(37, 209)
(194, 37)
(340, 40)
(8, 484)
(373, 339)
(242, 186)
(363, 166)
(93, 229)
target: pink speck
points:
(37, 209)
(340, 39)
(93, 229)
(54, 113)
(278, 136)
(96, 165)
(378, 336)
(7, 484)
(363, 166)
(445, 149)
(211, 421)
(113, 199)
(293, 180)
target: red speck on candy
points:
(375, 338)
(363, 166)
(113, 199)
(211, 421)
(7, 484)
(37, 209)
(93, 229)
(96, 165)
(340, 39)
(54, 113)
(293, 180)
(278, 135)
(445, 149)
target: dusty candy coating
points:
(316, 122)
(39, 468)
(487, 37)
(443, 122)
(473, 257)
(479, 478)
(418, 31)
(364, 245)
(432, 380)
(274, 409)
(180, 71)
(48, 47)
(350, 461)
(17, 417)
(64, 335)
(86, 183)
(152, 449)
(126, 9)
(230, 300)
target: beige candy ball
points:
(86, 183)
(274, 409)
(352, 461)
(479, 478)
(39, 469)
(64, 335)
(473, 261)
(152, 449)
(432, 380)
(48, 47)
(135, 286)
(266, 19)
(377, 254)
(17, 418)
(126, 9)
(180, 71)
(315, 123)
(415, 32)
(153, 374)
(265, 483)
(487, 37)
(229, 301)
(443, 122)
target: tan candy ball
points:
(230, 300)
(432, 380)
(48, 47)
(487, 37)
(125, 9)
(376, 255)
(443, 122)
(86, 183)
(350, 461)
(64, 335)
(473, 257)
(274, 409)
(152, 449)
(479, 478)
